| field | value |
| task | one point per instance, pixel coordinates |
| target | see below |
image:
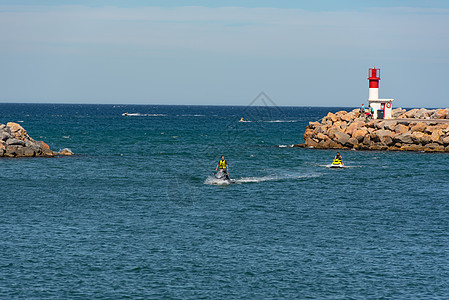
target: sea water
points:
(136, 212)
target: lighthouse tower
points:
(382, 107)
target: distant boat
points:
(127, 114)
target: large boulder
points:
(310, 143)
(348, 117)
(353, 127)
(440, 114)
(430, 129)
(339, 125)
(445, 140)
(366, 140)
(404, 138)
(412, 147)
(443, 126)
(360, 134)
(14, 127)
(326, 121)
(331, 132)
(309, 133)
(395, 113)
(436, 136)
(378, 146)
(352, 142)
(422, 113)
(400, 128)
(319, 136)
(341, 113)
(28, 152)
(313, 125)
(14, 151)
(4, 135)
(411, 113)
(341, 138)
(331, 117)
(18, 131)
(379, 125)
(420, 126)
(420, 137)
(434, 147)
(14, 141)
(390, 125)
(335, 145)
(438, 127)
(370, 124)
(384, 137)
(319, 129)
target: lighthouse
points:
(382, 107)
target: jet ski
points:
(336, 164)
(223, 176)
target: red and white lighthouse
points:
(382, 107)
(373, 77)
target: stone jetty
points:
(414, 130)
(15, 142)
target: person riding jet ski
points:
(224, 168)
(338, 160)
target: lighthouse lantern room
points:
(382, 107)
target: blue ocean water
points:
(136, 214)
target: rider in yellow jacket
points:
(338, 160)
(223, 165)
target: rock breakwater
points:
(15, 142)
(413, 130)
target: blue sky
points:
(302, 53)
(318, 5)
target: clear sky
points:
(301, 53)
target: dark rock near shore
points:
(15, 142)
(414, 130)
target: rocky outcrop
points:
(423, 113)
(15, 142)
(413, 130)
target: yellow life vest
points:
(222, 164)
